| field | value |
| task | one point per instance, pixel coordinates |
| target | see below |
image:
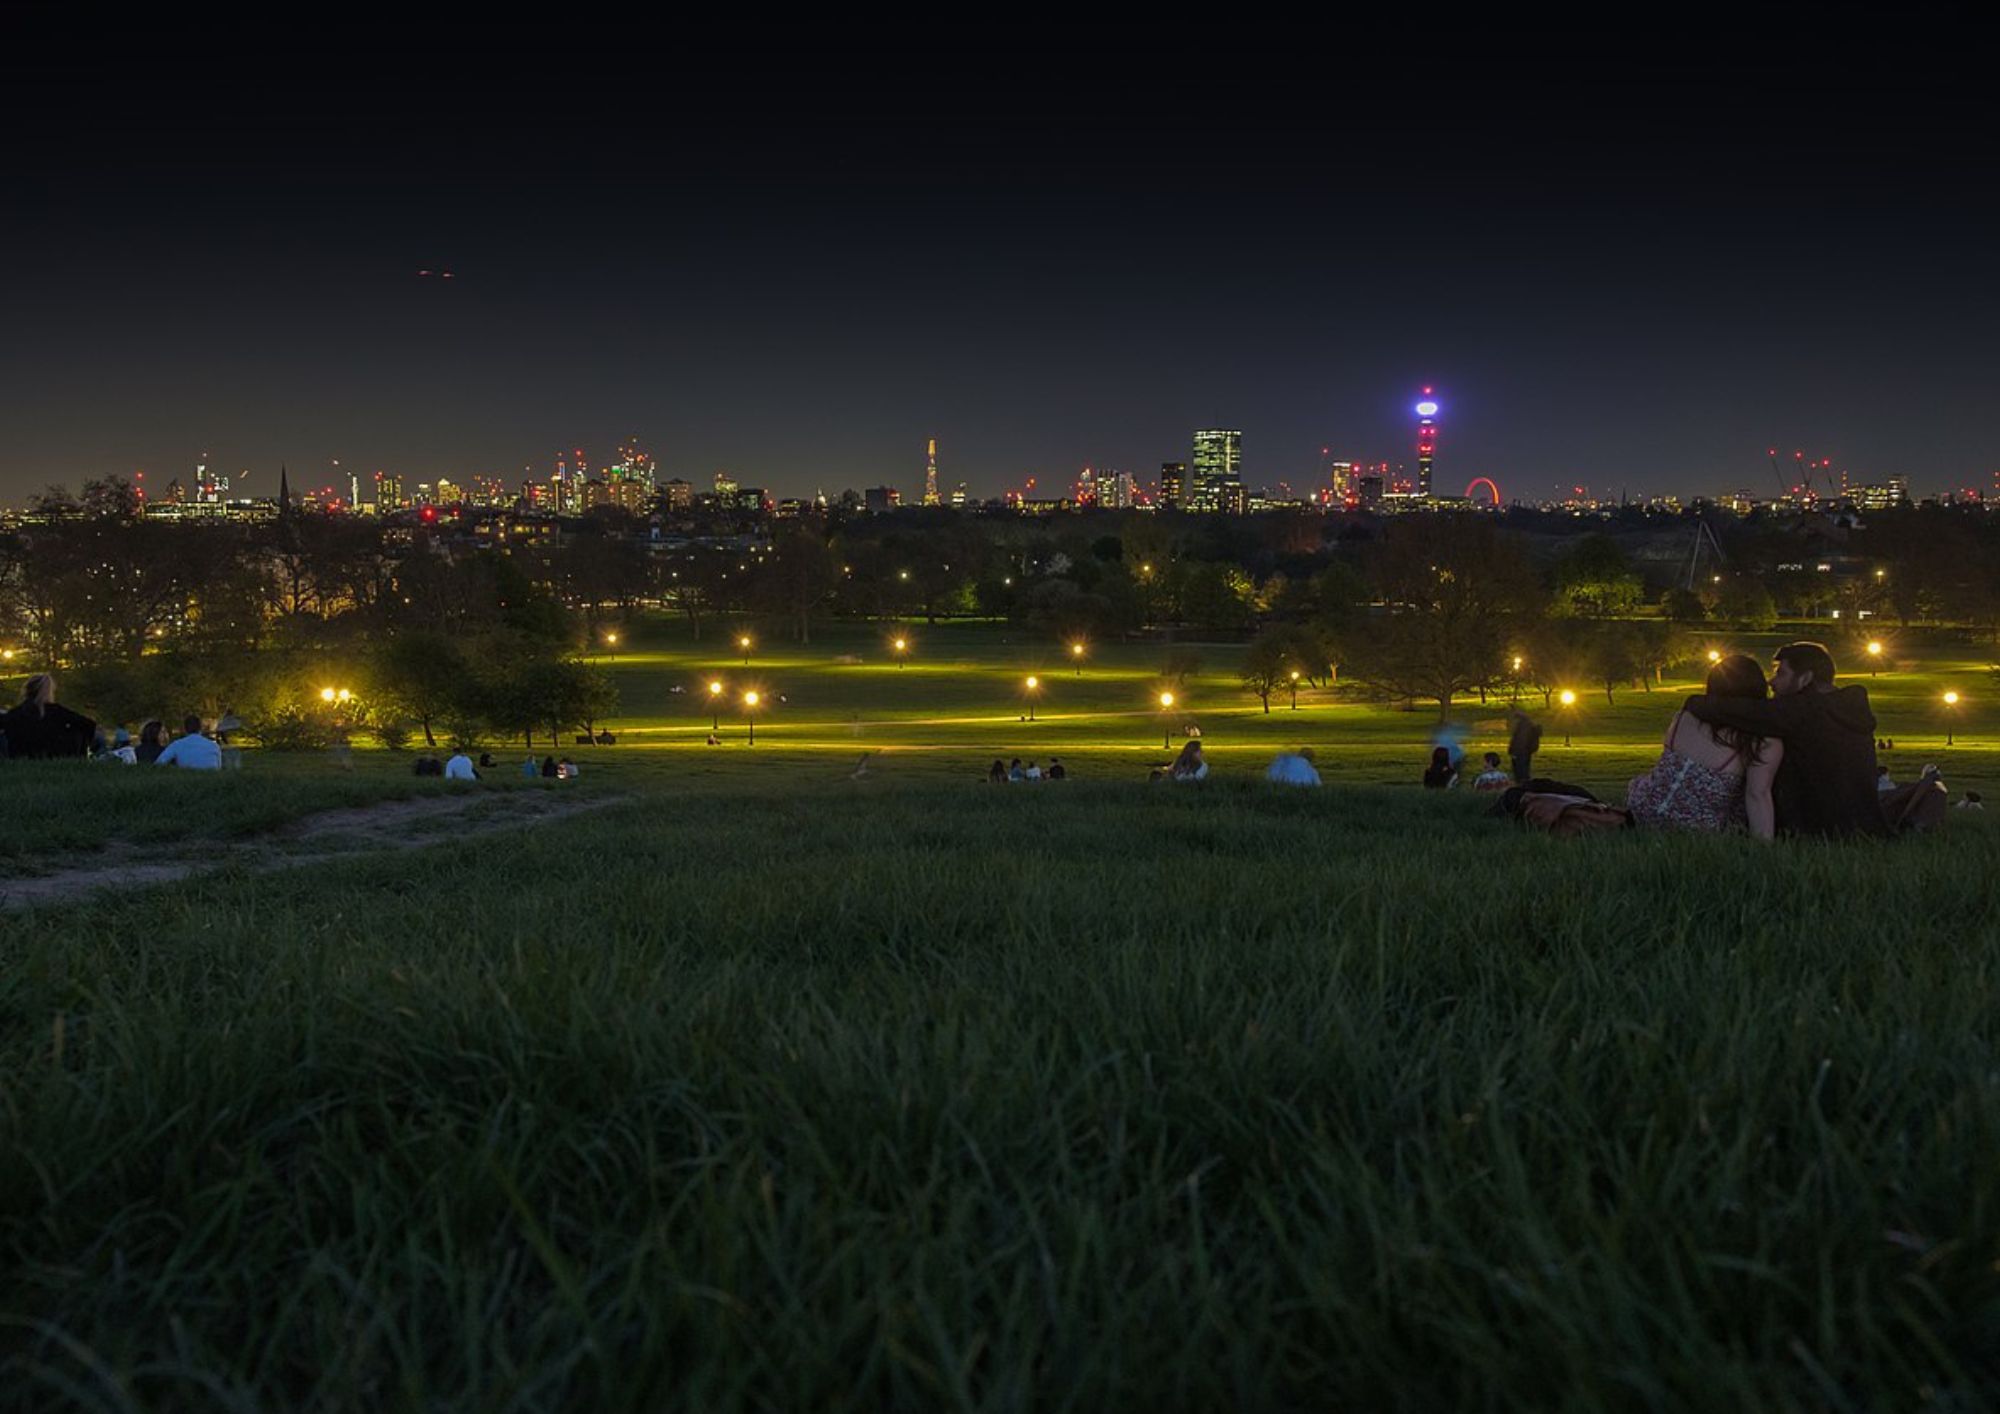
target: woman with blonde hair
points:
(38, 727)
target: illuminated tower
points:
(1427, 411)
(1218, 471)
(930, 476)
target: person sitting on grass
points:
(566, 769)
(1971, 802)
(1057, 772)
(1713, 778)
(39, 728)
(191, 750)
(427, 765)
(1014, 771)
(459, 767)
(152, 741)
(1190, 764)
(1440, 774)
(1033, 773)
(1883, 785)
(1492, 778)
(1825, 785)
(996, 774)
(1294, 768)
(528, 769)
(550, 771)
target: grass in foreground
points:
(864, 1095)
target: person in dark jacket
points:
(1522, 744)
(38, 727)
(1826, 782)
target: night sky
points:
(1630, 270)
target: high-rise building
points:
(1173, 485)
(1218, 470)
(958, 497)
(930, 475)
(634, 464)
(679, 494)
(1427, 411)
(726, 488)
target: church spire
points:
(284, 492)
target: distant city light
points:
(1427, 409)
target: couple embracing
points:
(1793, 756)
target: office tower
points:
(930, 475)
(1218, 469)
(1173, 485)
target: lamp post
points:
(1714, 656)
(1568, 700)
(1950, 716)
(715, 704)
(743, 642)
(1516, 681)
(1076, 656)
(1874, 655)
(1033, 684)
(750, 712)
(1295, 689)
(611, 640)
(901, 645)
(1166, 706)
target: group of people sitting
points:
(1014, 772)
(39, 728)
(1791, 755)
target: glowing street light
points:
(1874, 655)
(1715, 655)
(326, 694)
(1295, 689)
(1034, 684)
(1166, 706)
(1951, 715)
(750, 712)
(1568, 700)
(901, 645)
(1076, 657)
(715, 704)
(611, 638)
(743, 642)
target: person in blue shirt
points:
(192, 750)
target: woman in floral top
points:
(1712, 777)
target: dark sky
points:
(1632, 265)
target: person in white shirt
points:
(1294, 768)
(192, 750)
(1034, 772)
(459, 767)
(1492, 778)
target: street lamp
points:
(750, 712)
(900, 645)
(1951, 714)
(1295, 689)
(715, 704)
(1076, 656)
(1715, 655)
(743, 642)
(1033, 684)
(1874, 655)
(611, 639)
(1166, 706)
(1568, 700)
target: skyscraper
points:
(1427, 411)
(1173, 485)
(1218, 470)
(930, 475)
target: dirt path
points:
(325, 837)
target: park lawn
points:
(769, 1088)
(960, 699)
(64, 811)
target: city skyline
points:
(1636, 277)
